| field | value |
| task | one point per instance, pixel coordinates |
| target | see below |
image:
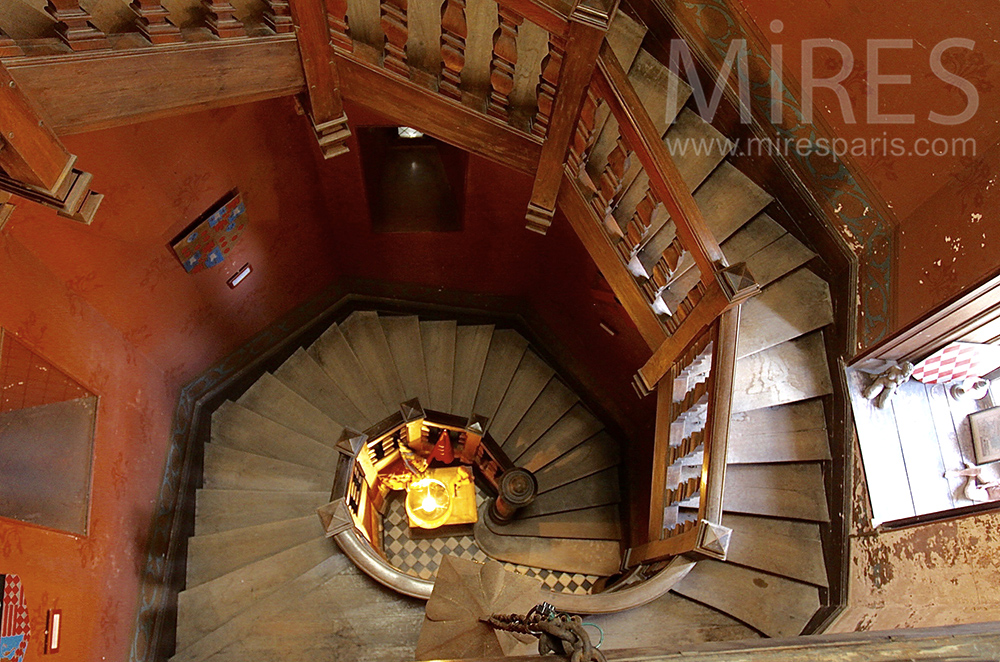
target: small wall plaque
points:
(986, 434)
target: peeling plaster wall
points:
(938, 574)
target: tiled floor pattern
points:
(421, 558)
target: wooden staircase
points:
(722, 293)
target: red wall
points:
(111, 306)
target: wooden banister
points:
(665, 179)
(713, 477)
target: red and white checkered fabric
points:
(15, 629)
(957, 361)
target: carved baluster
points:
(584, 134)
(396, 31)
(503, 63)
(220, 20)
(153, 21)
(340, 32)
(8, 47)
(611, 177)
(278, 16)
(74, 26)
(454, 30)
(551, 66)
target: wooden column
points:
(220, 19)
(503, 63)
(8, 47)
(394, 25)
(454, 30)
(547, 82)
(326, 108)
(278, 16)
(153, 21)
(574, 79)
(336, 14)
(74, 26)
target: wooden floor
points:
(907, 447)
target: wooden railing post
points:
(454, 30)
(503, 63)
(153, 21)
(322, 76)
(340, 33)
(278, 16)
(548, 80)
(74, 26)
(396, 29)
(220, 19)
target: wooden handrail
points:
(664, 177)
(719, 412)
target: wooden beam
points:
(446, 119)
(574, 79)
(664, 177)
(661, 448)
(102, 89)
(326, 109)
(588, 228)
(31, 153)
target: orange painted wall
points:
(948, 232)
(111, 306)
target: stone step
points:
(788, 548)
(595, 454)
(270, 398)
(247, 431)
(776, 606)
(792, 491)
(334, 354)
(202, 609)
(439, 357)
(786, 309)
(230, 469)
(403, 335)
(576, 426)
(551, 404)
(302, 374)
(364, 334)
(217, 554)
(529, 379)
(600, 489)
(472, 343)
(792, 371)
(223, 510)
(587, 557)
(506, 349)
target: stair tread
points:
(302, 374)
(599, 489)
(786, 309)
(599, 523)
(529, 380)
(270, 398)
(228, 468)
(792, 417)
(247, 431)
(472, 343)
(788, 548)
(727, 200)
(364, 334)
(774, 260)
(572, 429)
(551, 404)
(438, 340)
(794, 491)
(587, 557)
(593, 455)
(776, 606)
(403, 335)
(625, 37)
(202, 609)
(794, 370)
(222, 510)
(798, 446)
(373, 625)
(506, 349)
(245, 625)
(334, 354)
(217, 554)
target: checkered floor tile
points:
(421, 558)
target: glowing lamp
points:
(428, 503)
